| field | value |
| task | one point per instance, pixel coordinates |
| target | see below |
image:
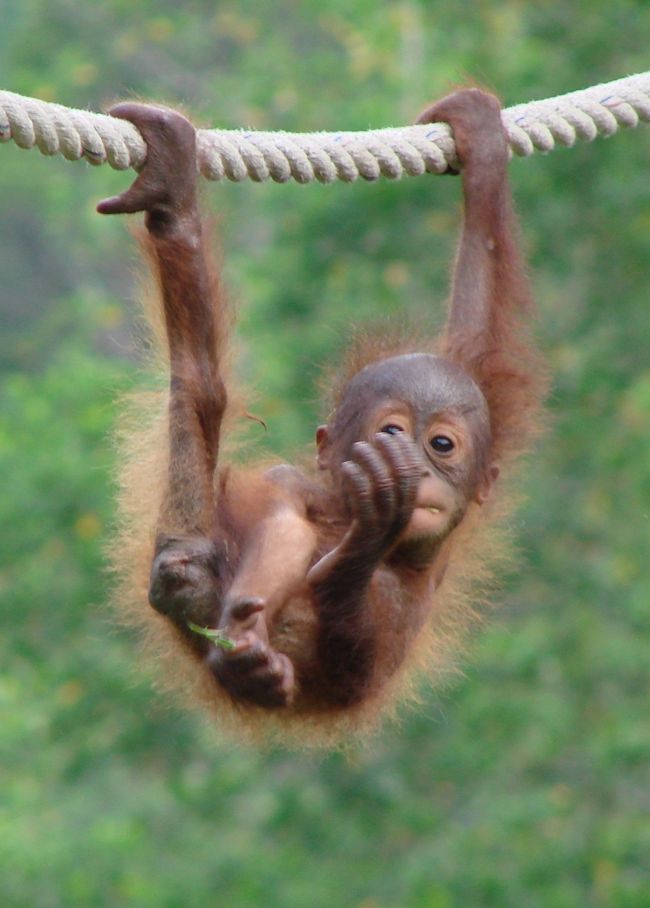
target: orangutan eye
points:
(442, 444)
(391, 429)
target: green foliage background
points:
(526, 784)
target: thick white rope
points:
(324, 156)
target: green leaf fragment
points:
(217, 636)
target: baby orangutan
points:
(324, 583)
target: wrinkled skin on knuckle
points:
(406, 466)
(358, 490)
(382, 482)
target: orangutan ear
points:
(483, 491)
(322, 445)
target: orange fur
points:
(481, 550)
(180, 495)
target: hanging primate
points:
(328, 582)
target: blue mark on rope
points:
(612, 101)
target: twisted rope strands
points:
(326, 157)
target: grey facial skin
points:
(430, 385)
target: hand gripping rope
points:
(326, 156)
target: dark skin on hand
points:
(324, 581)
